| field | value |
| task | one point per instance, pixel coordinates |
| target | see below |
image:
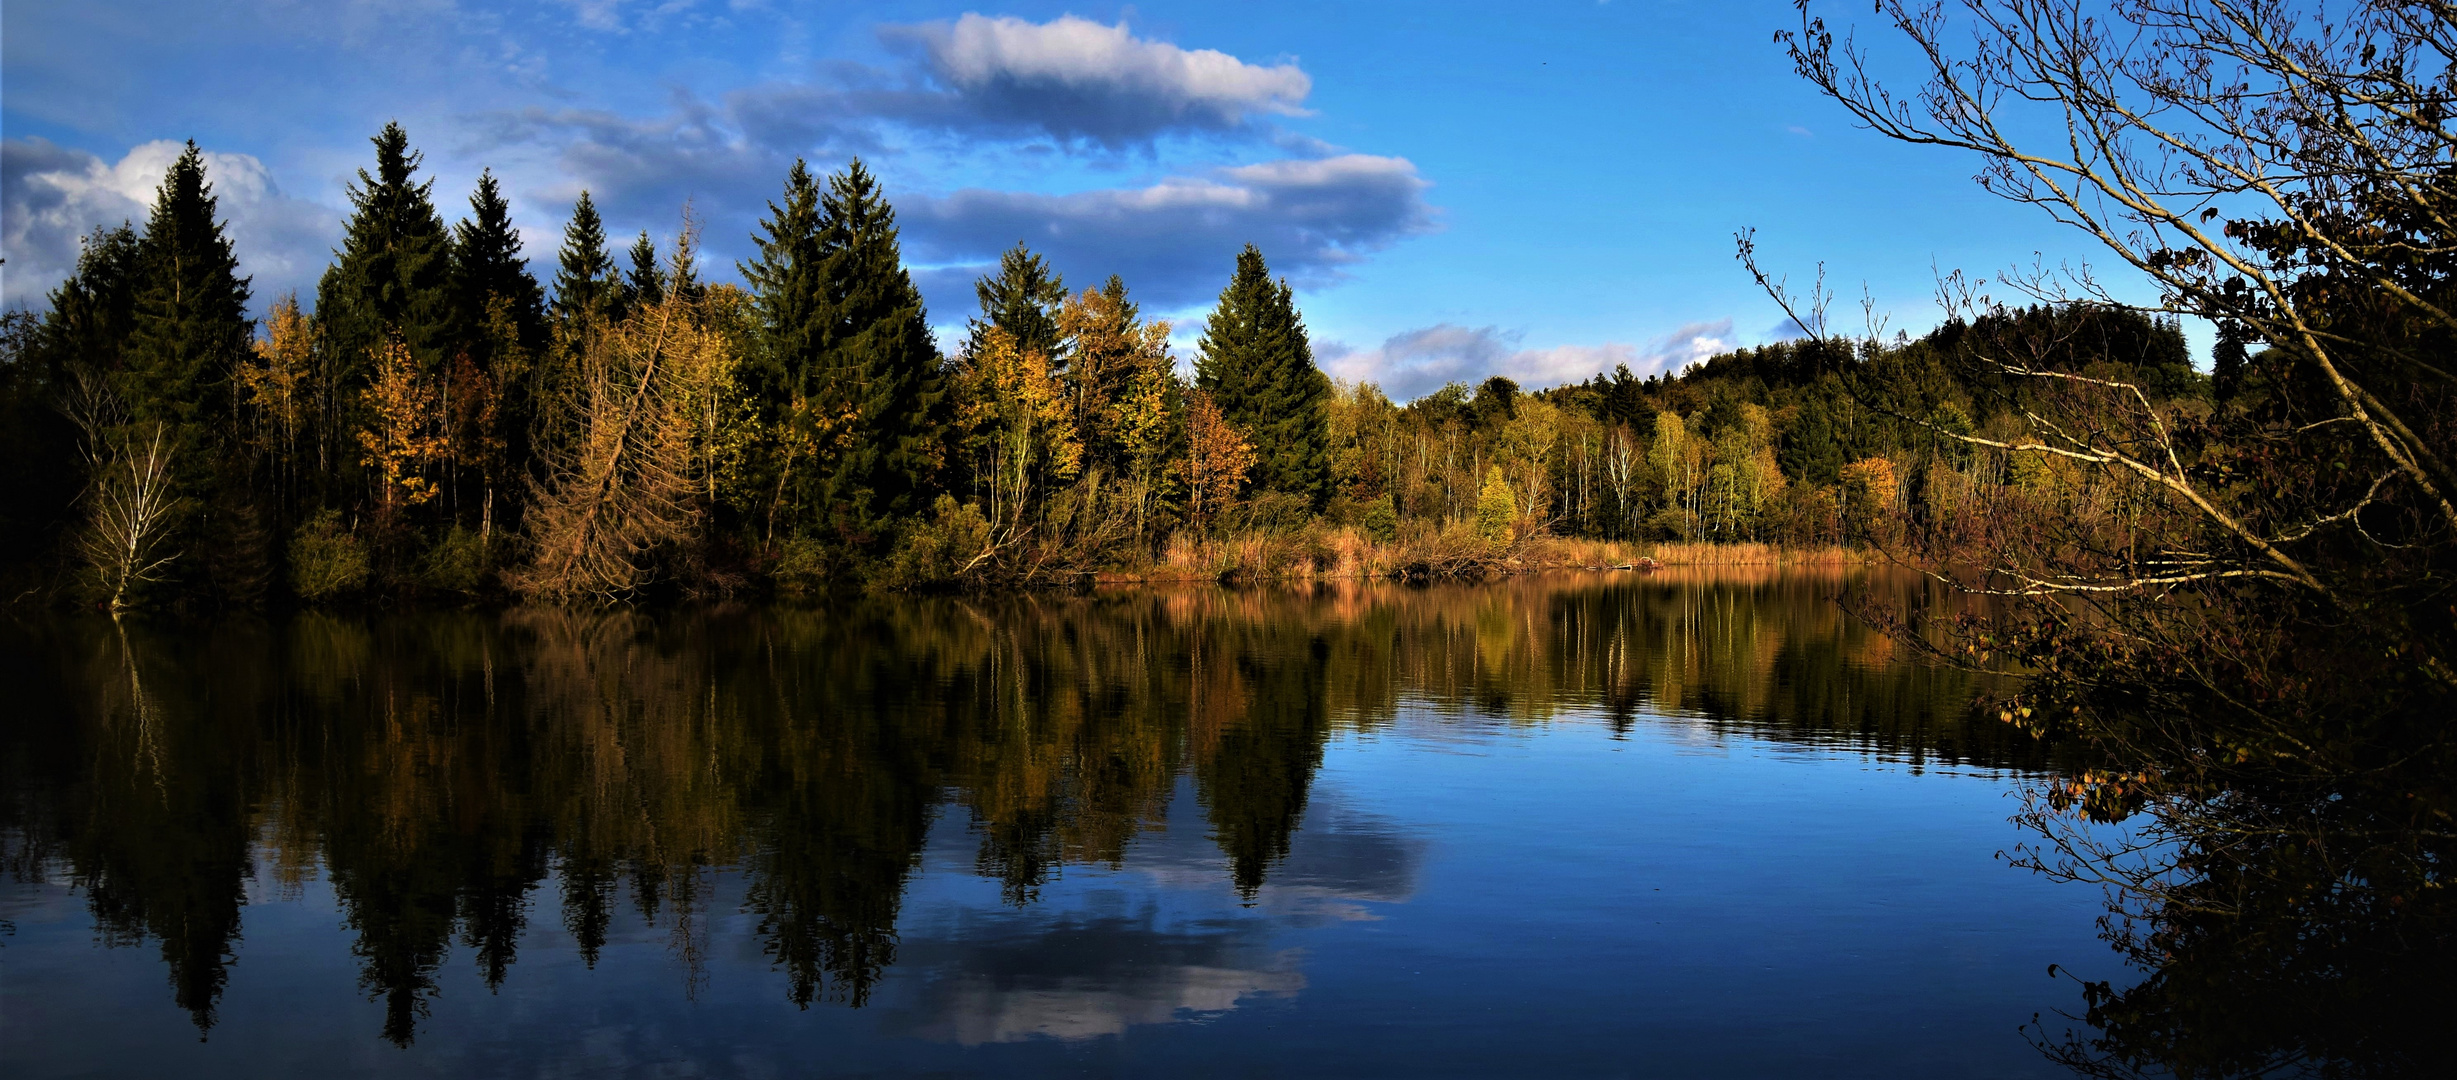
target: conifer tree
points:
(2227, 360)
(92, 312)
(188, 334)
(788, 292)
(1022, 300)
(189, 324)
(394, 275)
(586, 273)
(502, 315)
(880, 368)
(1257, 363)
(645, 285)
(487, 265)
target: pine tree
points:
(1257, 363)
(879, 366)
(1023, 301)
(190, 326)
(582, 283)
(487, 264)
(395, 270)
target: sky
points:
(1542, 189)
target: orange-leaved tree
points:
(1217, 458)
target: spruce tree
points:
(788, 290)
(503, 330)
(487, 266)
(189, 323)
(1812, 451)
(585, 278)
(645, 286)
(1257, 363)
(94, 311)
(189, 329)
(879, 366)
(395, 270)
(1022, 300)
(2227, 361)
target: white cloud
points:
(1691, 343)
(1415, 362)
(1076, 79)
(50, 196)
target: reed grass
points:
(1326, 552)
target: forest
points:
(436, 423)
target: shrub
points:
(1381, 520)
(944, 548)
(1672, 523)
(457, 563)
(326, 560)
(801, 565)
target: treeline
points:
(437, 421)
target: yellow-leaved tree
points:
(1019, 426)
(401, 440)
(1119, 379)
(276, 384)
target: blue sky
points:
(1538, 189)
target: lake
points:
(1681, 824)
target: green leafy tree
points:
(1495, 507)
(502, 313)
(788, 290)
(1257, 364)
(189, 331)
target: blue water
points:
(1576, 889)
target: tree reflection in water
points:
(441, 771)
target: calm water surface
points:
(1585, 826)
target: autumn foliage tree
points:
(400, 440)
(630, 474)
(1218, 457)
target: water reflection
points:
(463, 782)
(1081, 976)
